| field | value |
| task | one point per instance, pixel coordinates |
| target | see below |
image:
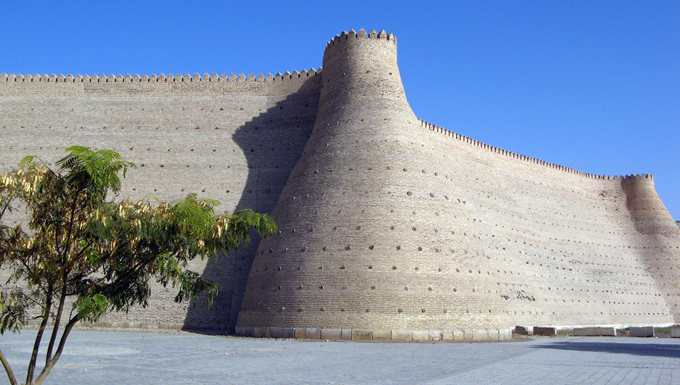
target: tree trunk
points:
(38, 338)
(50, 364)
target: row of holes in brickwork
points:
(249, 191)
(374, 287)
(371, 267)
(492, 235)
(368, 310)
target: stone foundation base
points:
(133, 325)
(467, 335)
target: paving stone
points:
(382, 335)
(313, 333)
(170, 358)
(331, 334)
(544, 331)
(402, 335)
(421, 335)
(642, 331)
(362, 335)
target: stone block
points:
(382, 335)
(362, 335)
(595, 331)
(331, 334)
(480, 335)
(459, 335)
(402, 335)
(675, 332)
(447, 336)
(277, 332)
(493, 335)
(436, 335)
(300, 333)
(259, 332)
(522, 330)
(642, 331)
(544, 331)
(421, 335)
(346, 334)
(313, 333)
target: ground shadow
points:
(638, 349)
(272, 142)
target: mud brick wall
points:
(389, 225)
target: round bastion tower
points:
(358, 254)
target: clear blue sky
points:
(589, 85)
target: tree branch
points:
(8, 369)
(57, 320)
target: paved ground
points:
(104, 357)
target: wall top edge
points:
(362, 34)
(162, 78)
(529, 159)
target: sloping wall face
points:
(392, 224)
(233, 140)
(388, 225)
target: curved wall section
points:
(392, 227)
(365, 240)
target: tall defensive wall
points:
(390, 227)
(227, 137)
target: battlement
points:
(529, 159)
(162, 78)
(470, 236)
(352, 35)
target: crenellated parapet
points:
(345, 37)
(389, 227)
(529, 159)
(162, 78)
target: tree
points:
(83, 256)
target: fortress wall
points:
(388, 223)
(572, 251)
(232, 140)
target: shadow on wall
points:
(652, 350)
(272, 142)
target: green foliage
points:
(91, 308)
(96, 255)
(13, 305)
